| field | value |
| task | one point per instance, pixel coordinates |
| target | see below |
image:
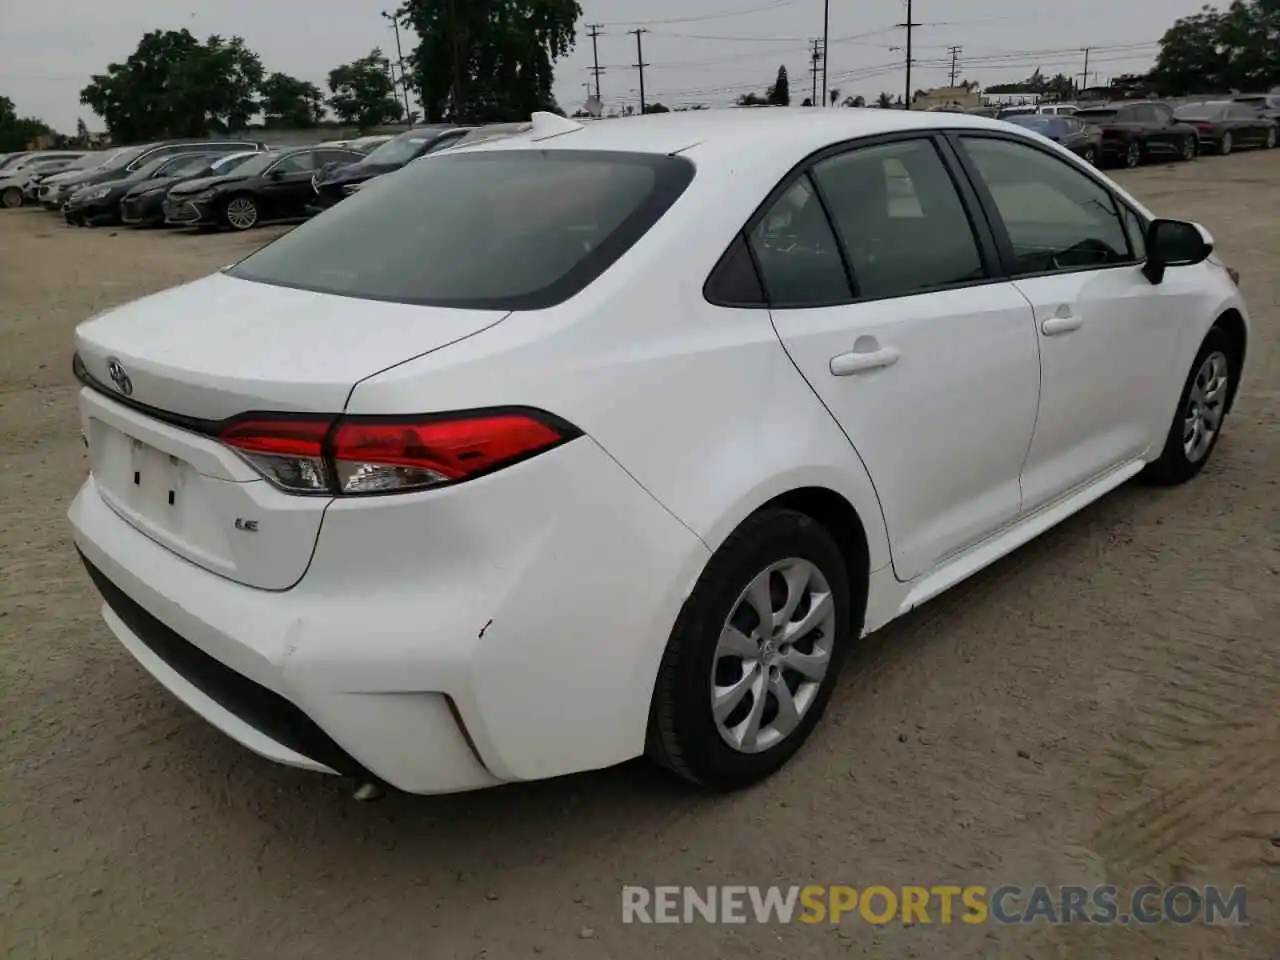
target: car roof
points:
(788, 129)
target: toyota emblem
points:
(118, 375)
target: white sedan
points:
(612, 439)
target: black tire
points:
(1270, 140)
(683, 735)
(1134, 154)
(1226, 144)
(11, 198)
(1189, 151)
(1173, 466)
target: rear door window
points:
(900, 218)
(509, 229)
(799, 257)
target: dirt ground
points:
(1101, 707)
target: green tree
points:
(290, 102)
(363, 93)
(488, 60)
(780, 93)
(884, 101)
(657, 108)
(854, 102)
(1219, 51)
(16, 132)
(174, 85)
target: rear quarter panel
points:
(699, 403)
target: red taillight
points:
(362, 455)
(1203, 126)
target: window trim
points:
(1003, 242)
(984, 239)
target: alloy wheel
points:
(1271, 138)
(242, 213)
(1206, 403)
(1189, 149)
(772, 655)
(11, 199)
(1226, 144)
(1090, 157)
(1133, 156)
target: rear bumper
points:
(442, 641)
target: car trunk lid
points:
(162, 374)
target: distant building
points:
(1010, 99)
(962, 97)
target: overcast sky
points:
(699, 51)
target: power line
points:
(640, 64)
(774, 5)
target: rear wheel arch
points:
(839, 518)
(1231, 323)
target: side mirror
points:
(1174, 243)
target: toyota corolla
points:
(613, 438)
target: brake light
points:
(364, 455)
(1203, 126)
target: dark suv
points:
(132, 159)
(1135, 131)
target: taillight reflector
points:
(362, 455)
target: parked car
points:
(48, 186)
(143, 205)
(1022, 110)
(131, 159)
(100, 204)
(1077, 136)
(331, 184)
(991, 112)
(273, 186)
(1057, 109)
(438, 490)
(1223, 125)
(9, 159)
(16, 180)
(1267, 104)
(1134, 131)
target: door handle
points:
(1056, 326)
(858, 361)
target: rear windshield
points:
(498, 229)
(1201, 111)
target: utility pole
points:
(816, 54)
(826, 29)
(909, 25)
(404, 84)
(640, 64)
(1084, 77)
(955, 70)
(593, 31)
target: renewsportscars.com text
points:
(943, 904)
